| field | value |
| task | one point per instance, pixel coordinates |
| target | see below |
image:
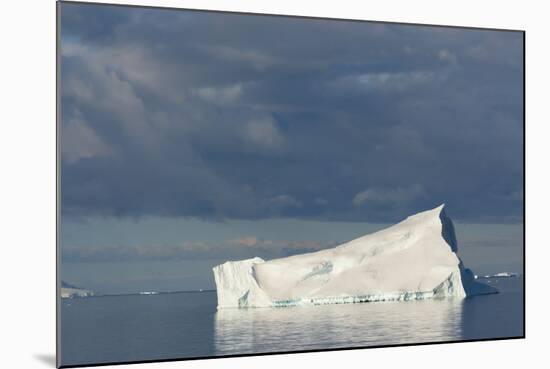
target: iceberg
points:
(413, 260)
(69, 291)
(501, 275)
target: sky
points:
(189, 138)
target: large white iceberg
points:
(414, 259)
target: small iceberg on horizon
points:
(500, 275)
(69, 291)
(415, 259)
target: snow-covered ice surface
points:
(413, 260)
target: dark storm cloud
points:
(230, 116)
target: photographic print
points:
(238, 184)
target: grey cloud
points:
(446, 55)
(281, 203)
(220, 95)
(264, 132)
(258, 60)
(388, 197)
(80, 141)
(243, 247)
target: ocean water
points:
(124, 328)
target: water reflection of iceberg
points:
(241, 331)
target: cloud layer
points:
(224, 116)
(244, 247)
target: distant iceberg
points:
(69, 291)
(413, 260)
(148, 293)
(501, 275)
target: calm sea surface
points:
(183, 325)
